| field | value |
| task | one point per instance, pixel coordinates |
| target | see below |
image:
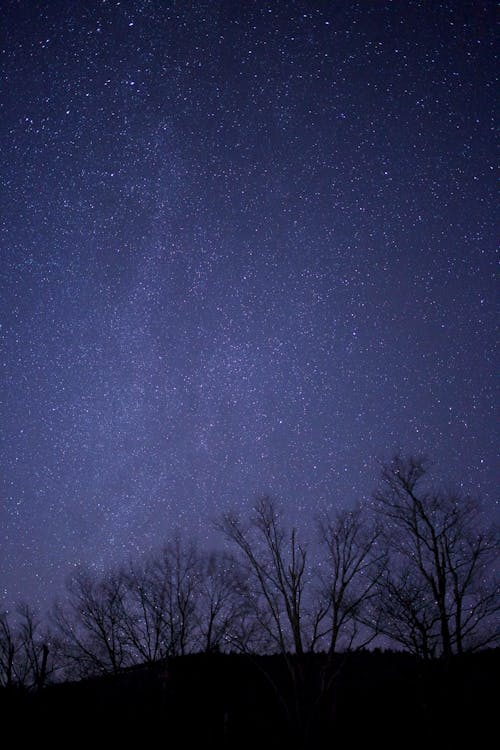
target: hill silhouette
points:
(228, 701)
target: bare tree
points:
(9, 645)
(34, 649)
(351, 570)
(91, 624)
(161, 607)
(146, 611)
(25, 650)
(441, 584)
(221, 600)
(407, 612)
(180, 566)
(275, 561)
(140, 613)
(280, 600)
(178, 600)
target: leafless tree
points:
(9, 646)
(221, 600)
(275, 562)
(281, 609)
(25, 647)
(161, 611)
(146, 611)
(34, 648)
(350, 572)
(180, 566)
(176, 601)
(407, 611)
(441, 579)
(91, 624)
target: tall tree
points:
(441, 581)
(275, 563)
(9, 646)
(303, 602)
(351, 569)
(147, 610)
(27, 655)
(220, 602)
(179, 563)
(91, 623)
(34, 648)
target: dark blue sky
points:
(245, 248)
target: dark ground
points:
(226, 701)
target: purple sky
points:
(245, 248)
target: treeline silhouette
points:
(269, 639)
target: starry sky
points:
(246, 247)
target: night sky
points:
(246, 248)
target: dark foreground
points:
(227, 701)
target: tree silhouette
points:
(351, 570)
(274, 561)
(9, 646)
(91, 624)
(221, 600)
(26, 659)
(439, 595)
(303, 603)
(146, 612)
